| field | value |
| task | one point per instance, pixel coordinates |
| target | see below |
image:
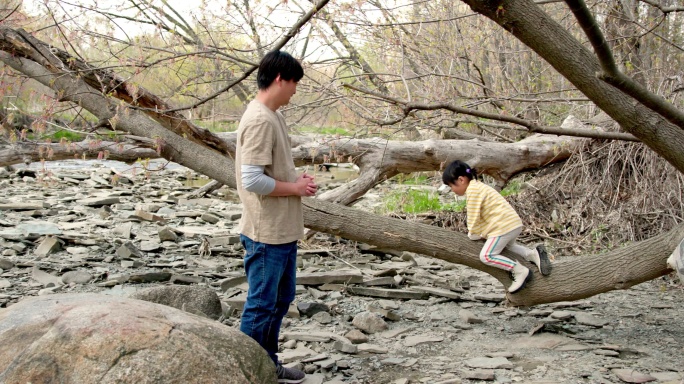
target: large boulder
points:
(92, 338)
(200, 300)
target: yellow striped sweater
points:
(489, 214)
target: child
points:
(491, 217)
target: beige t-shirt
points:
(263, 140)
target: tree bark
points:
(571, 280)
(87, 149)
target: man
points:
(270, 191)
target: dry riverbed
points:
(362, 315)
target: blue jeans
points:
(271, 274)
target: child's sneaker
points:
(519, 274)
(289, 375)
(543, 262)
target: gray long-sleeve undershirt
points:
(255, 180)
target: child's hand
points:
(472, 236)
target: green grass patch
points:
(411, 201)
(56, 137)
(411, 179)
(512, 188)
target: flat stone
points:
(412, 341)
(148, 216)
(491, 297)
(210, 218)
(607, 352)
(150, 277)
(291, 355)
(371, 348)
(232, 282)
(469, 317)
(307, 308)
(479, 374)
(22, 206)
(44, 278)
(379, 281)
(128, 250)
(76, 277)
(440, 292)
(587, 319)
(338, 276)
(573, 347)
(388, 293)
(35, 229)
(224, 241)
(4, 283)
(345, 347)
(489, 363)
(149, 246)
(562, 315)
(123, 230)
(632, 376)
(99, 201)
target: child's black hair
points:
(456, 169)
(278, 63)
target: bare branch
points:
(407, 106)
(612, 75)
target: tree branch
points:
(532, 127)
(612, 75)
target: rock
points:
(489, 363)
(4, 263)
(35, 229)
(440, 292)
(369, 322)
(166, 234)
(198, 300)
(45, 279)
(128, 250)
(491, 297)
(412, 341)
(22, 206)
(632, 376)
(311, 308)
(150, 277)
(322, 318)
(356, 336)
(123, 230)
(338, 276)
(479, 374)
(4, 283)
(388, 293)
(587, 319)
(345, 347)
(371, 348)
(469, 317)
(210, 218)
(99, 201)
(232, 282)
(76, 277)
(90, 338)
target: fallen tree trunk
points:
(571, 280)
(87, 149)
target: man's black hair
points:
(278, 63)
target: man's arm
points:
(254, 180)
